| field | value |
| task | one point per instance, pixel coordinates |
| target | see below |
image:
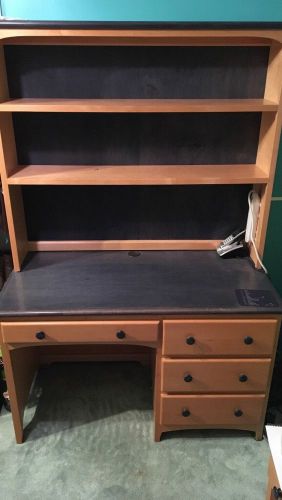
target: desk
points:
(213, 356)
(274, 469)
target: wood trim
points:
(126, 175)
(157, 388)
(124, 317)
(95, 352)
(272, 480)
(20, 368)
(239, 427)
(138, 105)
(127, 36)
(8, 162)
(84, 245)
(269, 144)
(260, 427)
(4, 90)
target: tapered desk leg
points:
(157, 390)
(20, 366)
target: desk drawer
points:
(238, 337)
(119, 332)
(205, 410)
(214, 375)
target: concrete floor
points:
(90, 436)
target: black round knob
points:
(238, 413)
(243, 378)
(188, 378)
(190, 340)
(185, 412)
(40, 335)
(248, 340)
(120, 334)
(277, 492)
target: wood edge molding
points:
(84, 245)
(268, 145)
(126, 175)
(47, 105)
(117, 35)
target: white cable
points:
(252, 228)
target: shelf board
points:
(137, 175)
(102, 245)
(138, 105)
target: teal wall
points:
(171, 10)
(147, 10)
(273, 248)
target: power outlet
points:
(253, 214)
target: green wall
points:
(273, 249)
(148, 10)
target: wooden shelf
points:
(137, 175)
(138, 105)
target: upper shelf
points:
(137, 175)
(138, 105)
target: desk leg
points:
(272, 481)
(20, 366)
(157, 391)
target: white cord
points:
(252, 228)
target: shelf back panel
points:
(134, 212)
(136, 139)
(136, 72)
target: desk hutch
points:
(127, 152)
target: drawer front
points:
(230, 375)
(219, 337)
(208, 410)
(119, 332)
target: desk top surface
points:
(153, 283)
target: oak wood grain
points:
(138, 105)
(136, 175)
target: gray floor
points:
(90, 436)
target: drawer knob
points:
(120, 334)
(243, 378)
(190, 340)
(238, 413)
(40, 335)
(185, 412)
(277, 492)
(188, 378)
(248, 340)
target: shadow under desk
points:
(208, 326)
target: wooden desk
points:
(273, 489)
(213, 356)
(141, 138)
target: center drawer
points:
(214, 375)
(238, 337)
(128, 332)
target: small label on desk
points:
(256, 298)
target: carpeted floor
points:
(91, 437)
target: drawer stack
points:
(215, 373)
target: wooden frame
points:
(272, 480)
(260, 175)
(22, 361)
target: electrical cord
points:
(252, 228)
